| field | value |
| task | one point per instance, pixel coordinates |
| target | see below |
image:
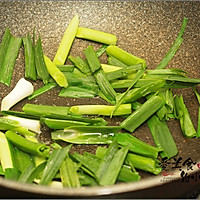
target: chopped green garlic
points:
(22, 89)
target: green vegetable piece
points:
(172, 71)
(135, 161)
(86, 180)
(139, 116)
(26, 173)
(109, 68)
(41, 68)
(6, 154)
(18, 114)
(137, 93)
(116, 62)
(166, 111)
(1, 171)
(99, 74)
(198, 98)
(162, 137)
(80, 80)
(137, 146)
(10, 57)
(126, 174)
(12, 174)
(124, 56)
(105, 85)
(30, 69)
(91, 162)
(42, 90)
(174, 78)
(96, 121)
(36, 172)
(65, 68)
(9, 124)
(61, 123)
(106, 110)
(40, 110)
(101, 50)
(144, 163)
(21, 159)
(111, 164)
(170, 54)
(92, 59)
(86, 134)
(81, 64)
(95, 35)
(27, 145)
(79, 92)
(125, 83)
(69, 175)
(55, 73)
(4, 45)
(120, 73)
(186, 124)
(121, 98)
(54, 163)
(67, 41)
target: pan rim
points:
(88, 191)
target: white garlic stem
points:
(30, 124)
(22, 89)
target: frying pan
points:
(146, 29)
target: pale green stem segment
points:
(95, 35)
(123, 56)
(56, 74)
(5, 153)
(66, 42)
(106, 110)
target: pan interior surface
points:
(146, 29)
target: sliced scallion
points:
(54, 163)
(139, 116)
(95, 35)
(9, 60)
(86, 134)
(27, 145)
(66, 42)
(106, 110)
